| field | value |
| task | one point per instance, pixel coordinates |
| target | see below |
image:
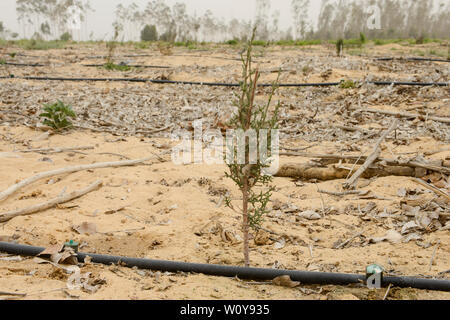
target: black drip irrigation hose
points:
(220, 84)
(131, 66)
(305, 277)
(23, 64)
(414, 59)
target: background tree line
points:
(49, 19)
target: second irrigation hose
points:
(220, 84)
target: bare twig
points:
(343, 244)
(340, 194)
(434, 254)
(49, 204)
(3, 293)
(55, 150)
(432, 188)
(371, 158)
(311, 250)
(387, 291)
(113, 154)
(354, 129)
(299, 149)
(321, 199)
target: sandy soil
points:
(163, 211)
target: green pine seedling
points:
(249, 176)
(57, 115)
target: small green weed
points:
(57, 115)
(347, 84)
(116, 67)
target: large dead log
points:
(308, 172)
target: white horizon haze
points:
(100, 21)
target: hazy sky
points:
(101, 20)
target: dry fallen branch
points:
(335, 158)
(308, 172)
(405, 115)
(50, 204)
(371, 158)
(14, 188)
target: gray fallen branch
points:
(405, 115)
(14, 188)
(350, 183)
(49, 204)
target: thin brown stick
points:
(14, 188)
(49, 204)
(371, 158)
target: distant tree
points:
(4, 32)
(168, 36)
(56, 13)
(262, 19)
(66, 36)
(149, 33)
(299, 10)
(45, 29)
